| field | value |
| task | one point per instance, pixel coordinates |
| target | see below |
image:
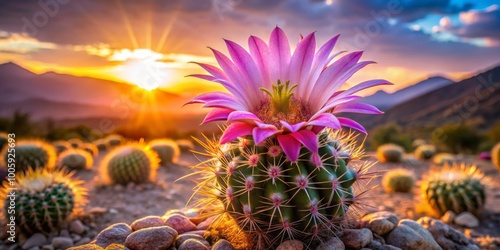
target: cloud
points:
(482, 24)
(21, 44)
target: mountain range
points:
(70, 99)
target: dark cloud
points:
(478, 24)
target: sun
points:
(143, 68)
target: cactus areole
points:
(280, 167)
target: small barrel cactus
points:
(75, 159)
(443, 159)
(495, 155)
(167, 150)
(4, 139)
(390, 153)
(32, 154)
(129, 163)
(90, 148)
(44, 201)
(185, 145)
(457, 188)
(61, 146)
(75, 142)
(101, 144)
(425, 152)
(115, 140)
(398, 180)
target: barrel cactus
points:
(32, 154)
(75, 159)
(398, 180)
(101, 144)
(61, 146)
(75, 142)
(280, 168)
(167, 150)
(129, 163)
(457, 188)
(45, 200)
(444, 158)
(390, 153)
(495, 155)
(114, 140)
(90, 148)
(185, 145)
(425, 152)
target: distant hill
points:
(384, 100)
(474, 100)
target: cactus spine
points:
(398, 180)
(273, 199)
(129, 163)
(425, 152)
(390, 153)
(458, 188)
(32, 154)
(45, 199)
(444, 158)
(167, 150)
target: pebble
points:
(116, 233)
(411, 236)
(47, 247)
(87, 247)
(206, 223)
(148, 221)
(77, 227)
(180, 223)
(62, 242)
(64, 233)
(199, 232)
(97, 210)
(222, 245)
(83, 241)
(183, 237)
(36, 239)
(448, 217)
(151, 238)
(118, 188)
(446, 236)
(380, 222)
(357, 238)
(291, 245)
(333, 243)
(193, 244)
(76, 237)
(466, 219)
(35, 248)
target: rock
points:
(36, 239)
(222, 245)
(333, 243)
(180, 223)
(206, 223)
(149, 221)
(48, 247)
(64, 233)
(97, 210)
(193, 244)
(151, 238)
(379, 239)
(83, 241)
(116, 247)
(199, 232)
(390, 247)
(446, 236)
(77, 227)
(380, 222)
(118, 188)
(87, 247)
(357, 238)
(466, 219)
(173, 211)
(183, 237)
(35, 248)
(291, 245)
(62, 242)
(116, 233)
(448, 217)
(412, 236)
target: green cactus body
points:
(75, 159)
(398, 180)
(456, 188)
(495, 155)
(425, 152)
(130, 163)
(273, 199)
(390, 153)
(32, 154)
(45, 200)
(61, 146)
(101, 144)
(444, 159)
(168, 151)
(114, 140)
(75, 142)
(90, 148)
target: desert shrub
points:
(457, 138)
(390, 133)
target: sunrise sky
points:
(151, 41)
